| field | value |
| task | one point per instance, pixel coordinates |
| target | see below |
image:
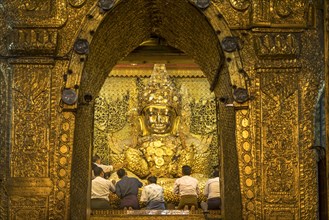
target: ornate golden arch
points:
(107, 36)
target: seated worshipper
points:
(152, 194)
(127, 190)
(100, 190)
(187, 188)
(212, 192)
(106, 168)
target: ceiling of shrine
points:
(156, 50)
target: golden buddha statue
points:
(164, 144)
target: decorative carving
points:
(280, 143)
(240, 5)
(81, 46)
(35, 5)
(77, 3)
(28, 207)
(283, 7)
(4, 149)
(280, 212)
(279, 85)
(203, 4)
(62, 168)
(203, 116)
(247, 168)
(33, 41)
(280, 176)
(106, 4)
(111, 116)
(277, 45)
(283, 13)
(230, 44)
(30, 149)
(35, 13)
(240, 95)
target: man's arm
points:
(139, 183)
(144, 196)
(118, 190)
(176, 187)
(197, 189)
(206, 189)
(106, 168)
(112, 185)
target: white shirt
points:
(100, 188)
(152, 192)
(186, 185)
(106, 168)
(211, 189)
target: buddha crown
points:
(160, 90)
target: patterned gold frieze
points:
(280, 212)
(33, 41)
(246, 152)
(275, 13)
(277, 45)
(281, 13)
(58, 199)
(30, 186)
(28, 207)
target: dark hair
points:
(95, 158)
(152, 179)
(121, 173)
(186, 170)
(216, 173)
(98, 171)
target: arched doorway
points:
(112, 36)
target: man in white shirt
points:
(212, 192)
(188, 189)
(97, 161)
(100, 190)
(152, 195)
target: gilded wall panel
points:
(28, 207)
(279, 149)
(279, 71)
(30, 121)
(280, 13)
(32, 13)
(4, 138)
(236, 12)
(288, 95)
(32, 41)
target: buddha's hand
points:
(136, 163)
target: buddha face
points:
(159, 119)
